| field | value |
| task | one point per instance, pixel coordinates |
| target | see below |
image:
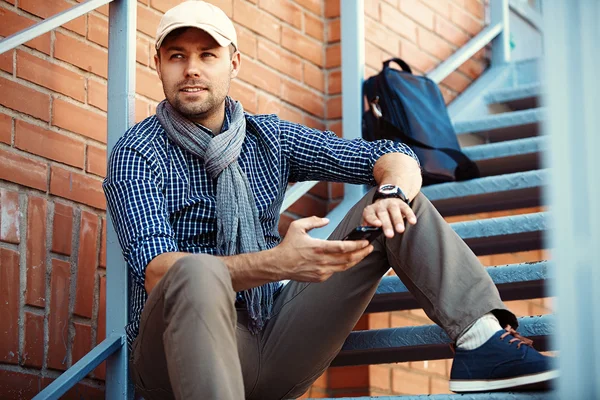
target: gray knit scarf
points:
(238, 226)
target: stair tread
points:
(426, 342)
(514, 282)
(505, 126)
(509, 148)
(472, 396)
(512, 94)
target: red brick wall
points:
(53, 149)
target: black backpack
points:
(410, 109)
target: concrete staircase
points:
(501, 119)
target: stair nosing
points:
(500, 226)
(509, 148)
(513, 93)
(498, 121)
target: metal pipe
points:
(14, 40)
(499, 14)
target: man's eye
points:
(175, 56)
(205, 54)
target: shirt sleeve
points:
(321, 155)
(133, 189)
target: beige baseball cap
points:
(201, 15)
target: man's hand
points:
(389, 214)
(305, 259)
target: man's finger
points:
(386, 222)
(341, 246)
(397, 218)
(307, 224)
(370, 217)
(409, 214)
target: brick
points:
(439, 386)
(86, 264)
(334, 30)
(464, 20)
(100, 371)
(380, 377)
(284, 10)
(50, 8)
(407, 382)
(97, 30)
(476, 8)
(35, 293)
(373, 55)
(49, 144)
(142, 51)
(441, 7)
(434, 45)
(97, 94)
(418, 58)
(281, 60)
(147, 20)
(148, 84)
(398, 23)
(33, 352)
(58, 317)
(333, 56)
(77, 187)
(301, 45)
(10, 216)
(303, 98)
(402, 319)
(472, 68)
(80, 120)
(291, 114)
(313, 123)
(284, 223)
(372, 9)
(18, 385)
(9, 306)
(334, 82)
(337, 190)
(332, 8)
(62, 229)
(314, 77)
(102, 256)
(11, 22)
(82, 342)
(247, 42)
(141, 113)
(380, 36)
(430, 366)
(336, 127)
(307, 206)
(225, 5)
(96, 160)
(450, 32)
(334, 107)
(418, 12)
(349, 377)
(379, 320)
(5, 128)
(260, 76)
(314, 26)
(50, 75)
(81, 54)
(24, 99)
(6, 61)
(245, 94)
(456, 81)
(22, 170)
(314, 6)
(256, 20)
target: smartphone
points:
(369, 233)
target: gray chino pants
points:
(194, 344)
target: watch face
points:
(388, 189)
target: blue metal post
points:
(121, 96)
(353, 72)
(572, 31)
(499, 13)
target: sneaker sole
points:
(465, 386)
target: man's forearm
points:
(246, 270)
(400, 170)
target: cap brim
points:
(220, 39)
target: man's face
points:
(195, 72)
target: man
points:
(202, 177)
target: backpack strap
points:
(400, 62)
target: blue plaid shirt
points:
(162, 200)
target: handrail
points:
(477, 43)
(81, 368)
(528, 13)
(295, 192)
(39, 28)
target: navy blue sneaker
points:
(506, 361)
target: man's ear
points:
(157, 64)
(236, 63)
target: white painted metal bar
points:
(353, 72)
(572, 31)
(12, 41)
(466, 52)
(121, 111)
(295, 192)
(528, 13)
(499, 14)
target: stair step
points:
(419, 343)
(492, 193)
(521, 97)
(473, 396)
(514, 282)
(503, 234)
(507, 157)
(505, 126)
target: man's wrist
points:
(390, 191)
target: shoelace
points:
(516, 337)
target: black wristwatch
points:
(390, 191)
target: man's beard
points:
(195, 110)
